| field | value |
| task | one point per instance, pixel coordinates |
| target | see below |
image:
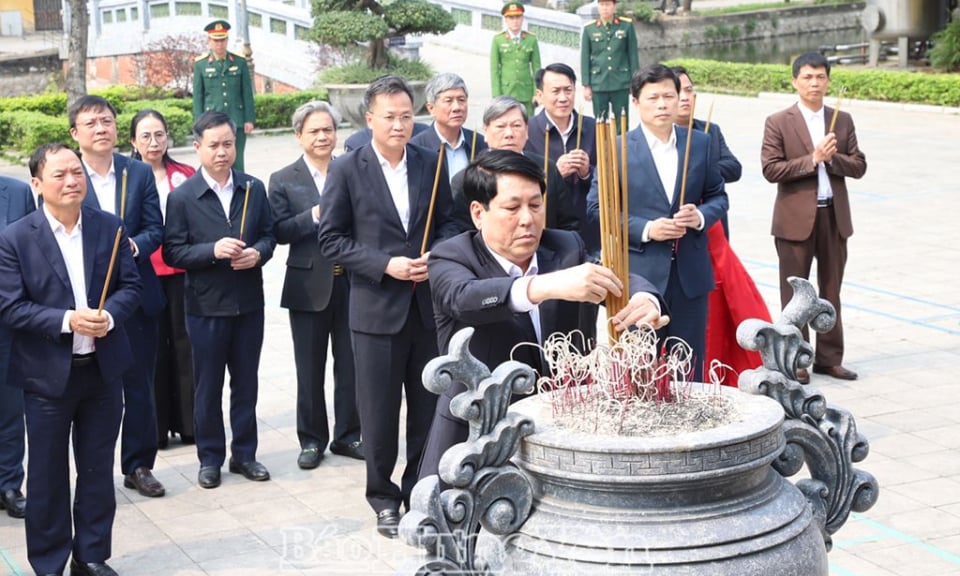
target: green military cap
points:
(512, 9)
(217, 29)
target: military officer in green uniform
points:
(608, 59)
(221, 82)
(514, 58)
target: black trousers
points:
(173, 381)
(138, 438)
(91, 409)
(387, 367)
(311, 333)
(688, 321)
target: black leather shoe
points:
(209, 477)
(352, 450)
(310, 457)
(387, 522)
(14, 503)
(251, 470)
(144, 482)
(838, 372)
(90, 569)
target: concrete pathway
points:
(902, 316)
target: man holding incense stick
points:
(516, 282)
(572, 141)
(382, 207)
(220, 230)
(808, 151)
(675, 194)
(447, 103)
(126, 187)
(69, 354)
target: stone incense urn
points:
(525, 497)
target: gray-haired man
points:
(315, 291)
(447, 102)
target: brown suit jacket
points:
(786, 157)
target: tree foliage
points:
(344, 23)
(945, 53)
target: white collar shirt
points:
(456, 154)
(665, 159)
(564, 134)
(224, 193)
(817, 128)
(105, 187)
(319, 178)
(519, 301)
(71, 247)
(397, 183)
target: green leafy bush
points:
(49, 104)
(276, 110)
(945, 53)
(25, 130)
(883, 85)
(360, 73)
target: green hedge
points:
(29, 121)
(883, 85)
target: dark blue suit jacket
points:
(35, 293)
(143, 222)
(431, 141)
(647, 201)
(361, 229)
(16, 201)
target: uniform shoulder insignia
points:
(504, 33)
(626, 19)
(200, 57)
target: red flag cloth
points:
(734, 300)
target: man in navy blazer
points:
(514, 281)
(447, 102)
(220, 230)
(93, 124)
(667, 240)
(556, 91)
(69, 360)
(16, 201)
(374, 218)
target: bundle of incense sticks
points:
(612, 195)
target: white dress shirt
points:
(519, 301)
(71, 247)
(319, 179)
(817, 128)
(397, 183)
(224, 193)
(105, 187)
(564, 134)
(456, 154)
(667, 161)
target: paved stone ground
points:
(902, 316)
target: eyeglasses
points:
(146, 137)
(105, 121)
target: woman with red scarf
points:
(174, 376)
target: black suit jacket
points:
(16, 201)
(309, 280)
(35, 293)
(431, 141)
(561, 209)
(142, 221)
(195, 221)
(361, 229)
(470, 288)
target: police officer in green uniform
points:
(608, 59)
(221, 81)
(514, 58)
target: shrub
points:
(945, 53)
(49, 104)
(25, 130)
(883, 85)
(276, 110)
(360, 73)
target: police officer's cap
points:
(218, 29)
(512, 9)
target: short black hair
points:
(811, 59)
(39, 157)
(681, 71)
(480, 177)
(86, 103)
(556, 68)
(388, 84)
(211, 119)
(651, 75)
